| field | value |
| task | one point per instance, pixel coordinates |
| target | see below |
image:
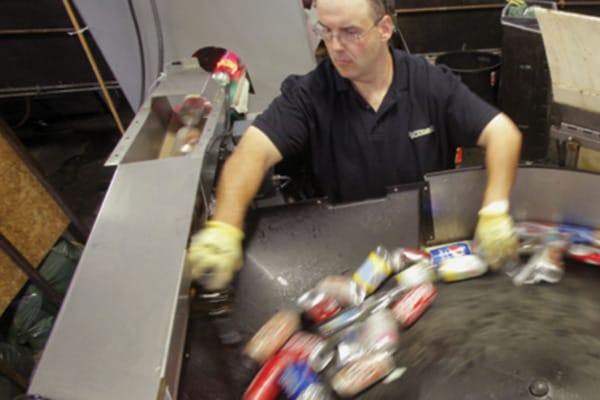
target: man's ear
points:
(386, 27)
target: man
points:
(370, 117)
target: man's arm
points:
(502, 141)
(242, 175)
(494, 235)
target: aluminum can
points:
(341, 321)
(265, 385)
(461, 268)
(272, 335)
(318, 306)
(374, 270)
(580, 234)
(296, 378)
(583, 253)
(305, 346)
(546, 265)
(414, 303)
(533, 230)
(343, 289)
(316, 391)
(361, 374)
(380, 332)
(413, 256)
(421, 272)
(447, 251)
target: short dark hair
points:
(382, 7)
(379, 8)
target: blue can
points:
(296, 378)
(441, 253)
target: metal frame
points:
(121, 330)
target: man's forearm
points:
(238, 183)
(503, 149)
(242, 175)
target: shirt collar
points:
(399, 82)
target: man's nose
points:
(336, 43)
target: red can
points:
(414, 303)
(318, 306)
(584, 253)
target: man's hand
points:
(215, 254)
(495, 236)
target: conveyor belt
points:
(482, 339)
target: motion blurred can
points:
(461, 268)
(380, 332)
(304, 346)
(414, 303)
(296, 378)
(546, 265)
(447, 251)
(318, 306)
(583, 253)
(533, 230)
(272, 335)
(421, 272)
(343, 289)
(361, 374)
(374, 270)
(413, 256)
(299, 382)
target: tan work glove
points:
(215, 254)
(495, 237)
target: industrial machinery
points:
(122, 328)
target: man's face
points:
(343, 18)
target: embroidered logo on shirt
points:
(421, 132)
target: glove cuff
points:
(498, 207)
(231, 230)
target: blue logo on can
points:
(296, 378)
(446, 252)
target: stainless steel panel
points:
(456, 197)
(114, 333)
(270, 36)
(539, 194)
(145, 135)
(556, 195)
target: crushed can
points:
(343, 289)
(380, 332)
(450, 250)
(374, 270)
(414, 303)
(318, 306)
(296, 378)
(421, 272)
(304, 346)
(272, 335)
(362, 373)
(581, 234)
(461, 268)
(585, 254)
(546, 265)
(299, 382)
(413, 256)
(534, 230)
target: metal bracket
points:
(570, 138)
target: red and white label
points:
(414, 303)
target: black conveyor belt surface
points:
(482, 339)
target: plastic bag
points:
(19, 360)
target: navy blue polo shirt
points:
(356, 152)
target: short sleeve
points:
(286, 120)
(466, 114)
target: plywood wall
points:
(29, 219)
